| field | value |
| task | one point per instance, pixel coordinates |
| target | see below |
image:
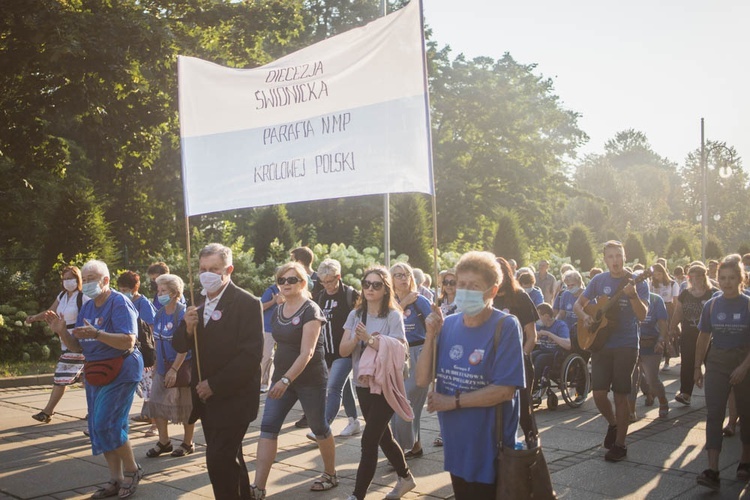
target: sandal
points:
(728, 431)
(151, 433)
(135, 478)
(107, 491)
(159, 449)
(663, 411)
(141, 418)
(325, 482)
(184, 450)
(438, 441)
(42, 417)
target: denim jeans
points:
(406, 433)
(313, 401)
(720, 363)
(340, 385)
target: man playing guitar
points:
(613, 364)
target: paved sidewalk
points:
(54, 460)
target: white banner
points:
(347, 116)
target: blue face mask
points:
(470, 302)
(163, 299)
(91, 290)
(128, 295)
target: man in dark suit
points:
(226, 375)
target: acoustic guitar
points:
(593, 338)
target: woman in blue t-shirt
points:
(725, 324)
(474, 377)
(105, 333)
(416, 308)
(170, 403)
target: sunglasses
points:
(292, 280)
(375, 285)
(401, 276)
(449, 282)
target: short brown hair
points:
(158, 268)
(129, 279)
(544, 308)
(303, 255)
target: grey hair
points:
(574, 275)
(224, 253)
(418, 276)
(329, 267)
(173, 283)
(97, 266)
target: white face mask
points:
(211, 282)
(70, 285)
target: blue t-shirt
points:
(657, 310)
(566, 300)
(164, 327)
(559, 328)
(729, 321)
(145, 309)
(536, 295)
(413, 324)
(268, 313)
(625, 331)
(116, 315)
(467, 361)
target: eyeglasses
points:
(401, 276)
(375, 285)
(328, 282)
(292, 280)
(449, 282)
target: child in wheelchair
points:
(553, 341)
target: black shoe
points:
(616, 453)
(301, 423)
(709, 478)
(42, 417)
(413, 454)
(609, 439)
(743, 472)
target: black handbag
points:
(520, 473)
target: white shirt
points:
(67, 307)
(211, 304)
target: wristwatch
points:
(371, 340)
(286, 381)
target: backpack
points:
(79, 298)
(145, 343)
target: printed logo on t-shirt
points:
(476, 357)
(737, 316)
(457, 352)
(569, 307)
(721, 316)
(99, 321)
(607, 290)
(169, 325)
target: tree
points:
(509, 239)
(634, 249)
(678, 247)
(411, 232)
(580, 247)
(713, 248)
(273, 223)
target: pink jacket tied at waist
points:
(383, 372)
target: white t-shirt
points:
(667, 292)
(67, 307)
(392, 326)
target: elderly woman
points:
(105, 333)
(336, 301)
(299, 373)
(725, 324)
(473, 376)
(375, 317)
(168, 401)
(416, 308)
(565, 301)
(70, 364)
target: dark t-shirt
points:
(287, 332)
(692, 307)
(522, 307)
(336, 309)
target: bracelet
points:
(458, 399)
(97, 334)
(173, 368)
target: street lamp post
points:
(725, 171)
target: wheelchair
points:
(569, 373)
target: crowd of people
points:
(471, 349)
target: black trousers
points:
(464, 490)
(377, 413)
(688, 341)
(226, 465)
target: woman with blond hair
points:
(299, 374)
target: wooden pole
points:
(192, 295)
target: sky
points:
(654, 66)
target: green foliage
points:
(273, 223)
(411, 231)
(713, 248)
(678, 247)
(634, 249)
(580, 247)
(744, 248)
(509, 239)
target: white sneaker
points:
(352, 428)
(311, 436)
(403, 486)
(666, 367)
